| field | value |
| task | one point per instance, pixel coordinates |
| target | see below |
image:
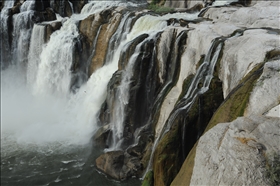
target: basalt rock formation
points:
(180, 92)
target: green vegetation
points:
(149, 179)
(273, 169)
(167, 156)
(233, 106)
(159, 9)
(236, 102)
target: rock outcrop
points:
(175, 78)
(249, 92)
(118, 165)
(232, 152)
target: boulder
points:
(100, 137)
(119, 165)
(111, 163)
(231, 152)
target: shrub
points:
(159, 9)
(273, 169)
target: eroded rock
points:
(231, 152)
(266, 93)
(118, 165)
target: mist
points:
(38, 119)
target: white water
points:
(147, 24)
(4, 32)
(123, 97)
(45, 112)
(56, 60)
(150, 24)
(27, 5)
(97, 6)
(205, 72)
(36, 47)
(223, 2)
(21, 36)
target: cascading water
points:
(203, 76)
(36, 47)
(147, 24)
(56, 60)
(22, 29)
(46, 130)
(4, 33)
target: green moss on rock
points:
(149, 179)
(236, 102)
(232, 107)
(166, 164)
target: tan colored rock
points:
(103, 26)
(106, 31)
(111, 163)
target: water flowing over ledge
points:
(110, 87)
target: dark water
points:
(24, 165)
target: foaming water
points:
(151, 23)
(45, 129)
(29, 119)
(45, 140)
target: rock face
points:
(231, 152)
(242, 56)
(174, 79)
(249, 92)
(98, 29)
(262, 14)
(266, 93)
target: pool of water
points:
(23, 165)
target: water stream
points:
(46, 129)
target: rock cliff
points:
(189, 98)
(244, 77)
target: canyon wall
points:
(188, 98)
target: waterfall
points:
(151, 23)
(71, 5)
(147, 24)
(4, 33)
(36, 47)
(50, 119)
(119, 37)
(203, 76)
(21, 36)
(122, 101)
(56, 59)
(27, 5)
